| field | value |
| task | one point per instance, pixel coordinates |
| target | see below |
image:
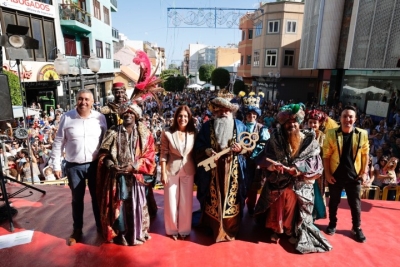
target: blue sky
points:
(147, 20)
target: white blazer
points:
(172, 154)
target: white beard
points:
(223, 130)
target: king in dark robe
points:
(221, 190)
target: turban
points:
(291, 111)
(223, 100)
(316, 114)
(129, 105)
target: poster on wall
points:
(377, 108)
(324, 93)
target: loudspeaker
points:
(6, 111)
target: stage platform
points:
(50, 217)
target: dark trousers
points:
(77, 175)
(352, 189)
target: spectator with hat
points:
(110, 111)
(252, 112)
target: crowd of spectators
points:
(384, 133)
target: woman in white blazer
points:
(177, 173)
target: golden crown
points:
(252, 101)
(225, 94)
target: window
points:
(48, 27)
(248, 60)
(258, 28)
(24, 21)
(99, 49)
(37, 33)
(289, 58)
(250, 34)
(96, 6)
(291, 26)
(70, 45)
(108, 50)
(270, 57)
(243, 35)
(241, 60)
(273, 26)
(256, 59)
(37, 26)
(106, 15)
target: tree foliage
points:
(172, 83)
(205, 72)
(173, 66)
(239, 86)
(13, 83)
(220, 77)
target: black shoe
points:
(75, 237)
(330, 230)
(358, 234)
(120, 240)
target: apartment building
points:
(246, 48)
(86, 28)
(38, 75)
(75, 29)
(354, 44)
(275, 43)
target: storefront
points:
(375, 92)
(40, 81)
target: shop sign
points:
(48, 73)
(25, 69)
(30, 6)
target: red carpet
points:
(50, 217)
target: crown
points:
(223, 93)
(251, 101)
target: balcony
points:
(115, 33)
(74, 19)
(78, 61)
(114, 5)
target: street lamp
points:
(74, 71)
(273, 78)
(62, 67)
(94, 65)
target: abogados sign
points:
(30, 6)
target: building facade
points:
(354, 44)
(246, 49)
(275, 52)
(37, 72)
(194, 62)
(73, 29)
(86, 28)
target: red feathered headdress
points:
(147, 84)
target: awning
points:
(17, 111)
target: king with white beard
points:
(221, 190)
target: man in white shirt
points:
(80, 133)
